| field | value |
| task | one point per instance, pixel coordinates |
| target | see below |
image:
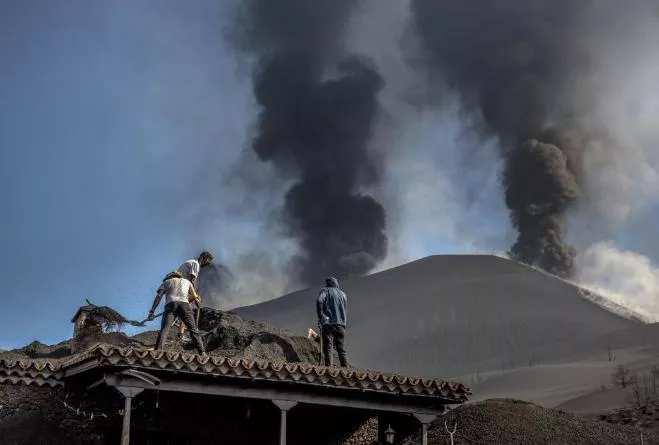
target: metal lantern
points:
(389, 435)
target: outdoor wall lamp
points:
(389, 435)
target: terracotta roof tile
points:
(302, 373)
(52, 372)
(30, 372)
(38, 381)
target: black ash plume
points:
(511, 62)
(318, 109)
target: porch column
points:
(128, 392)
(425, 420)
(284, 406)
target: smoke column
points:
(539, 189)
(317, 111)
(510, 63)
(214, 284)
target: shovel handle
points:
(151, 318)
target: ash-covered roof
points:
(296, 373)
(54, 372)
(31, 372)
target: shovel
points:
(142, 323)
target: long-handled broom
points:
(321, 361)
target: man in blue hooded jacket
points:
(332, 309)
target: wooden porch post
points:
(425, 420)
(128, 393)
(284, 406)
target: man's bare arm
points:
(156, 301)
(194, 297)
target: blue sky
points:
(104, 108)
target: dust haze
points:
(395, 130)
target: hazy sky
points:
(116, 121)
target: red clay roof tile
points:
(302, 373)
(30, 372)
(45, 372)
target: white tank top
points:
(189, 269)
(176, 289)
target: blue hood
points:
(331, 282)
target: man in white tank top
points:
(190, 271)
(178, 293)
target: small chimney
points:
(85, 328)
(79, 319)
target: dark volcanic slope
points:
(513, 422)
(224, 334)
(449, 315)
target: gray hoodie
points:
(332, 304)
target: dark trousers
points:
(184, 312)
(195, 310)
(334, 335)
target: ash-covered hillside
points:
(451, 315)
(512, 422)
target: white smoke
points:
(622, 173)
(623, 277)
